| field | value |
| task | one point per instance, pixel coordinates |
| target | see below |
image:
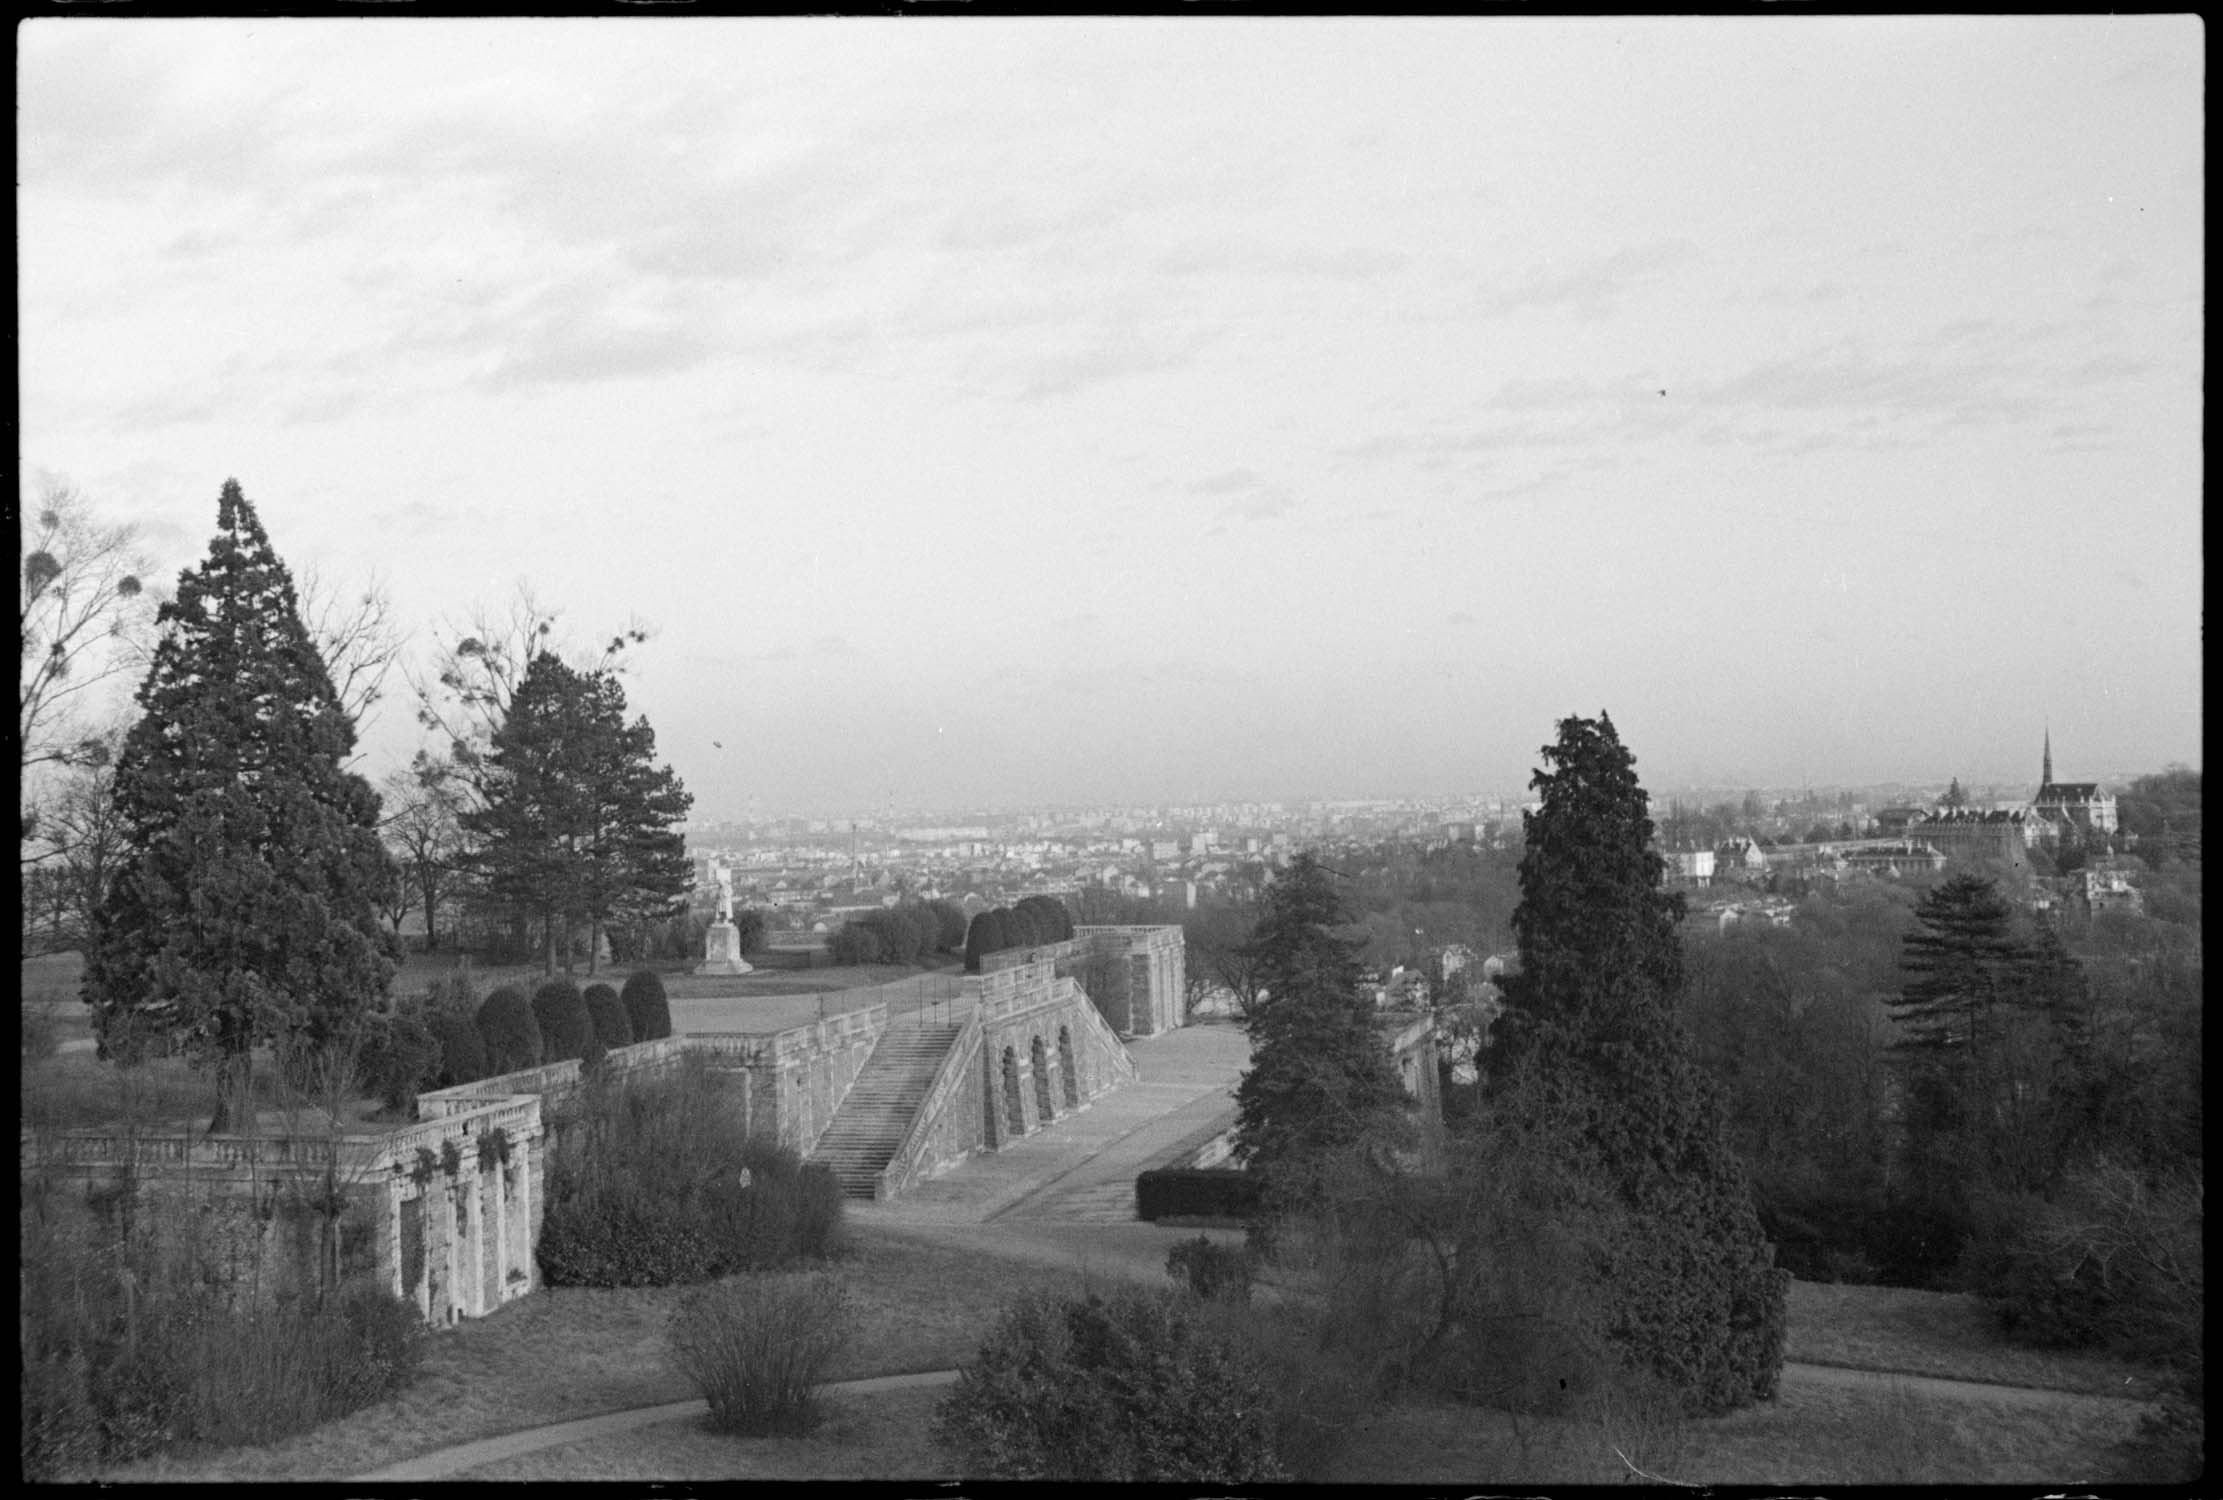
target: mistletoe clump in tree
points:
(1591, 1015)
(247, 909)
(580, 822)
(1320, 1078)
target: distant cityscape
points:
(809, 874)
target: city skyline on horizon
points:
(1106, 411)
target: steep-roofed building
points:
(2071, 809)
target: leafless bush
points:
(758, 1348)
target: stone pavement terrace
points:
(1065, 1195)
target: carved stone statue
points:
(722, 943)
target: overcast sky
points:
(1004, 411)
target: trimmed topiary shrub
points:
(1124, 1386)
(511, 1034)
(758, 1349)
(462, 1051)
(646, 1008)
(565, 1031)
(606, 1013)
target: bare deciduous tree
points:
(86, 617)
(356, 633)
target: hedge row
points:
(1195, 1192)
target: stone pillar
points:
(395, 1258)
(451, 1221)
(527, 1217)
(722, 951)
(497, 1183)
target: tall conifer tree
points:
(580, 822)
(1592, 1013)
(248, 909)
(1321, 1077)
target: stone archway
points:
(1014, 1109)
(1069, 1069)
(1039, 1056)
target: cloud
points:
(415, 518)
(1115, 353)
(1227, 482)
(1595, 287)
(1255, 258)
(1264, 506)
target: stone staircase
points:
(879, 1107)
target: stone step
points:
(877, 1112)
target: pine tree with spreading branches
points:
(580, 823)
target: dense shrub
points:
(127, 1347)
(1122, 1386)
(511, 1034)
(899, 935)
(949, 924)
(2115, 1261)
(1195, 1192)
(565, 1030)
(646, 1007)
(658, 1184)
(606, 1013)
(1211, 1271)
(758, 1349)
(400, 1055)
(856, 943)
(462, 1050)
(1040, 919)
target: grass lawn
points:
(924, 1307)
(578, 1352)
(1811, 1435)
(1939, 1333)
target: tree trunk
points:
(594, 945)
(548, 929)
(234, 1094)
(426, 882)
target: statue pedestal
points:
(722, 951)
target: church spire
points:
(2047, 780)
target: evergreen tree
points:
(578, 822)
(1321, 1076)
(1992, 1028)
(646, 1005)
(1592, 1016)
(247, 910)
(1961, 962)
